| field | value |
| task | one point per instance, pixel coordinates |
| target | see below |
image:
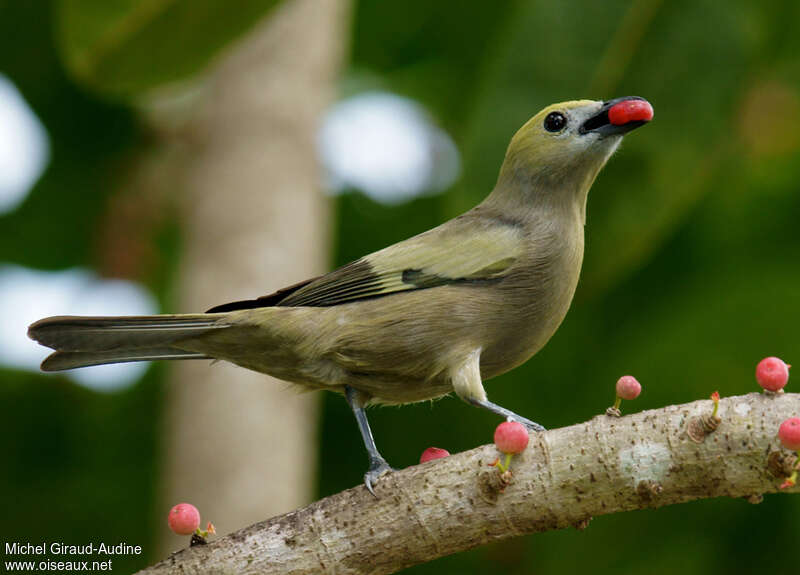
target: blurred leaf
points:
(56, 225)
(125, 47)
(430, 51)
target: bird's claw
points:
(531, 425)
(377, 468)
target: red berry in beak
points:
(630, 111)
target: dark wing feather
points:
(463, 251)
(268, 300)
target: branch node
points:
(582, 524)
(698, 427)
(491, 483)
(754, 499)
(781, 463)
(648, 489)
(197, 540)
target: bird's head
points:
(562, 148)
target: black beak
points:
(619, 116)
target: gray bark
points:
(566, 476)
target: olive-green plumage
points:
(439, 312)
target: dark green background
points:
(691, 273)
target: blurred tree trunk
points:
(239, 445)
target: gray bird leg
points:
(468, 386)
(505, 413)
(377, 464)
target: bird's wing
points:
(465, 250)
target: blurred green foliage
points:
(691, 272)
(124, 48)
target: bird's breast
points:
(535, 299)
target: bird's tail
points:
(84, 341)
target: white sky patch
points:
(27, 295)
(387, 147)
(24, 147)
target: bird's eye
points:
(555, 122)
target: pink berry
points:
(789, 433)
(511, 437)
(433, 453)
(772, 373)
(630, 111)
(184, 519)
(628, 387)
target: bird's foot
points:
(377, 468)
(531, 425)
(507, 413)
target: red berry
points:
(772, 373)
(184, 519)
(628, 387)
(789, 433)
(511, 437)
(630, 111)
(433, 453)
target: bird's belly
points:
(526, 330)
(511, 351)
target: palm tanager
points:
(437, 313)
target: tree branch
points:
(566, 476)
